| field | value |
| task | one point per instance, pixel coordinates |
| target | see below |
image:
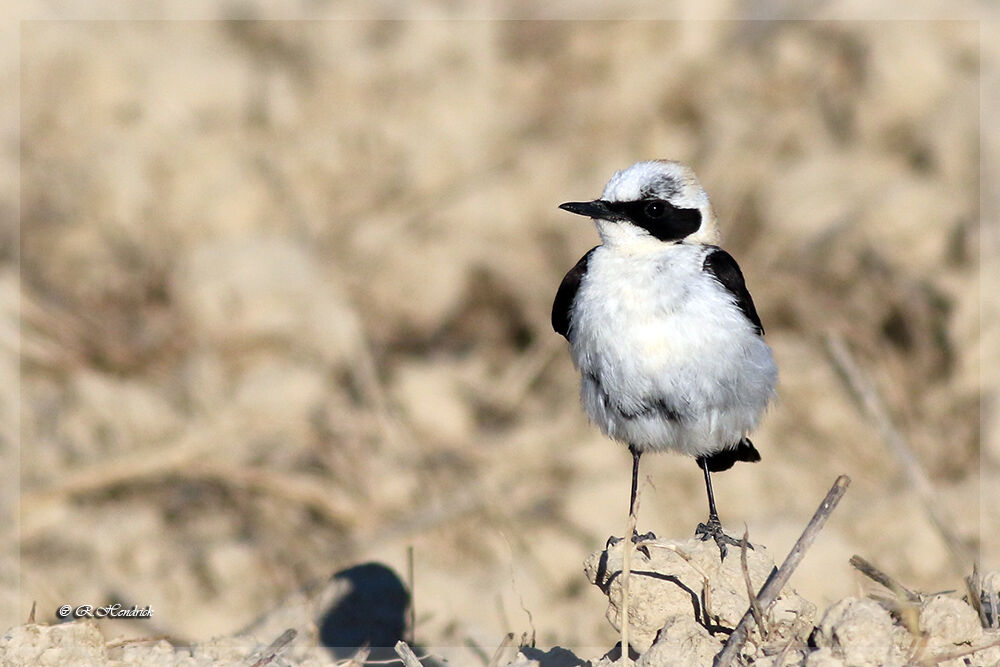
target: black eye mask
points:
(658, 217)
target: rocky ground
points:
(281, 301)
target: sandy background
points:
(284, 293)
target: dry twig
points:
(992, 593)
(406, 654)
(135, 640)
(276, 647)
(906, 602)
(359, 659)
(884, 579)
(507, 642)
(758, 615)
(627, 548)
(779, 577)
(974, 585)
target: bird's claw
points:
(637, 540)
(713, 530)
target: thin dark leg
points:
(713, 514)
(636, 454)
(635, 478)
(713, 529)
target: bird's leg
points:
(636, 538)
(635, 478)
(713, 529)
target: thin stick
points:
(135, 640)
(974, 584)
(779, 577)
(906, 602)
(396, 661)
(877, 575)
(359, 659)
(994, 620)
(780, 660)
(868, 399)
(507, 642)
(627, 575)
(758, 615)
(405, 654)
(276, 647)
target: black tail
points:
(725, 459)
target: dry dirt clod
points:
(860, 631)
(686, 581)
(949, 621)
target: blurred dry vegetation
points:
(285, 289)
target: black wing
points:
(567, 293)
(724, 460)
(724, 268)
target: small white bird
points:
(663, 329)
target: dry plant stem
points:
(994, 619)
(780, 660)
(917, 646)
(870, 401)
(276, 647)
(882, 578)
(136, 640)
(758, 615)
(772, 587)
(405, 654)
(507, 642)
(358, 659)
(974, 585)
(906, 602)
(627, 575)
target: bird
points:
(663, 330)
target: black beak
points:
(592, 209)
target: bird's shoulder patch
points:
(721, 265)
(563, 305)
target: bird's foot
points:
(713, 530)
(637, 540)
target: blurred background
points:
(284, 294)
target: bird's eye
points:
(655, 209)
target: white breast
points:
(668, 362)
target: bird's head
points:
(651, 203)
